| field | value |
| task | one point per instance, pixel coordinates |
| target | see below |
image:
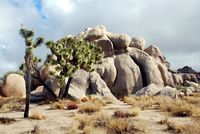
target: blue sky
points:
(172, 25)
(38, 6)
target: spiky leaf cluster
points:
(71, 54)
(30, 45)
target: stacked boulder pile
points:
(128, 68)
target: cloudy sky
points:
(172, 25)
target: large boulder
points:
(46, 71)
(97, 85)
(155, 52)
(107, 71)
(168, 91)
(14, 85)
(166, 75)
(76, 92)
(94, 33)
(120, 41)
(106, 45)
(137, 42)
(81, 80)
(149, 70)
(192, 84)
(178, 79)
(149, 90)
(129, 78)
(189, 77)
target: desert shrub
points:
(126, 114)
(163, 121)
(57, 105)
(142, 102)
(8, 104)
(177, 108)
(88, 130)
(5, 120)
(85, 99)
(90, 107)
(171, 126)
(72, 105)
(100, 119)
(133, 112)
(36, 115)
(84, 120)
(195, 100)
(119, 114)
(124, 125)
(106, 100)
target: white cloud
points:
(57, 7)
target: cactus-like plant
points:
(70, 54)
(29, 58)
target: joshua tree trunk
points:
(28, 58)
(67, 88)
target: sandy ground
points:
(59, 121)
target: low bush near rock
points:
(72, 105)
(124, 125)
(57, 105)
(171, 126)
(5, 120)
(177, 108)
(36, 115)
(126, 114)
(142, 102)
(8, 104)
(90, 107)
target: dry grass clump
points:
(90, 107)
(5, 120)
(88, 130)
(64, 104)
(133, 112)
(126, 114)
(36, 115)
(193, 128)
(106, 100)
(113, 125)
(85, 99)
(178, 108)
(84, 120)
(119, 114)
(57, 105)
(98, 119)
(163, 121)
(8, 104)
(171, 126)
(124, 125)
(142, 102)
(195, 100)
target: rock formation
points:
(128, 68)
(14, 85)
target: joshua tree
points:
(70, 54)
(30, 46)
